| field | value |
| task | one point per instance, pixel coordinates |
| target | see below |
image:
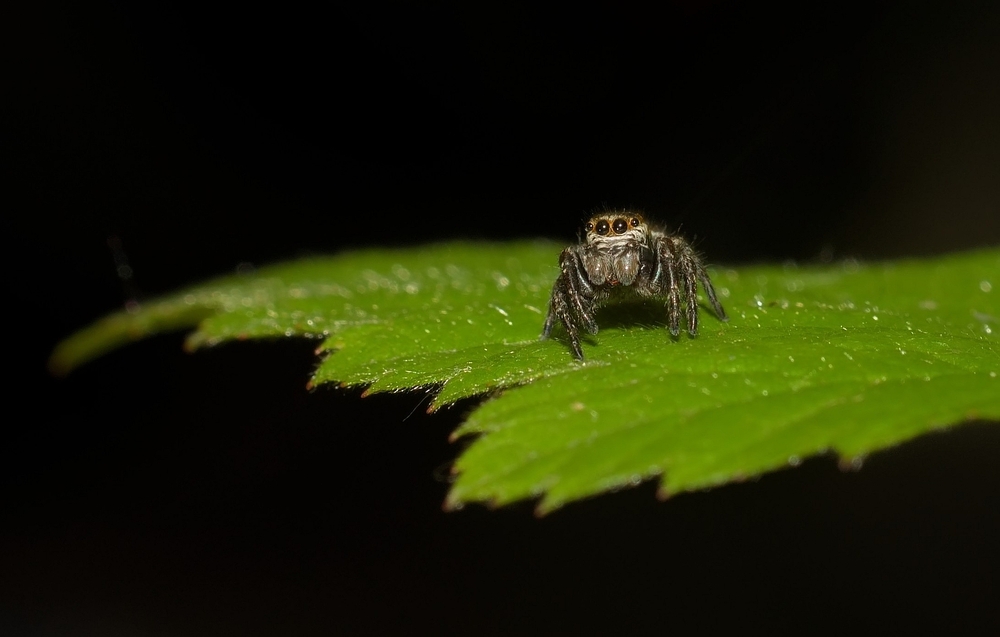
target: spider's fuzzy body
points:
(620, 257)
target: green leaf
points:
(847, 358)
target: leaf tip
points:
(452, 503)
(548, 505)
(196, 340)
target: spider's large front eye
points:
(620, 226)
(602, 227)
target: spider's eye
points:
(620, 226)
(634, 222)
(603, 227)
(590, 226)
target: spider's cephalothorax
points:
(622, 256)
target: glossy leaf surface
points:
(844, 358)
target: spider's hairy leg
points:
(706, 283)
(572, 301)
(693, 271)
(687, 261)
(581, 291)
(559, 308)
(550, 318)
(665, 261)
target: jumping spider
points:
(622, 257)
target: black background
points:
(157, 493)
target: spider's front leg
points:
(677, 267)
(692, 271)
(572, 300)
(666, 278)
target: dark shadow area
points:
(154, 145)
(649, 313)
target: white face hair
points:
(616, 229)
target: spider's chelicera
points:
(623, 257)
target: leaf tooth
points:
(548, 505)
(452, 503)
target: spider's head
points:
(614, 228)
